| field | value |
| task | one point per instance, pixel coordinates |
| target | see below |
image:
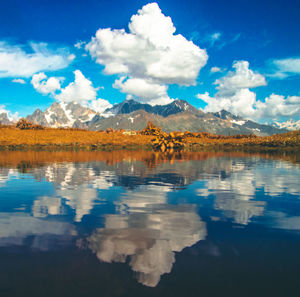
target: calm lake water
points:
(145, 224)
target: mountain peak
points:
(131, 105)
(224, 115)
(130, 114)
(62, 114)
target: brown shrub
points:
(23, 124)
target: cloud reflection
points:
(149, 232)
(16, 227)
(6, 174)
(235, 190)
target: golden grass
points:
(291, 139)
(13, 138)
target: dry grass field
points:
(13, 138)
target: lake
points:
(148, 224)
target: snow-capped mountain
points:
(247, 126)
(129, 106)
(288, 125)
(178, 115)
(4, 120)
(62, 115)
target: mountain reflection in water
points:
(141, 208)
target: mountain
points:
(218, 123)
(289, 125)
(129, 106)
(63, 115)
(247, 126)
(4, 120)
(131, 115)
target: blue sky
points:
(243, 56)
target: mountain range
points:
(132, 115)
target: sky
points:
(239, 55)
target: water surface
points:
(146, 224)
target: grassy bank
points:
(12, 138)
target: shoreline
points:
(28, 159)
(198, 147)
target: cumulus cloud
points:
(240, 103)
(19, 81)
(80, 91)
(99, 105)
(16, 62)
(241, 78)
(144, 89)
(235, 96)
(277, 105)
(150, 56)
(43, 85)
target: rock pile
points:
(164, 141)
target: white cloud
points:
(286, 67)
(2, 109)
(43, 85)
(19, 81)
(241, 78)
(80, 91)
(289, 125)
(143, 89)
(16, 62)
(71, 57)
(235, 96)
(215, 69)
(240, 103)
(214, 37)
(150, 54)
(99, 105)
(80, 44)
(277, 105)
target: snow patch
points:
(48, 115)
(238, 122)
(108, 114)
(91, 116)
(68, 114)
(131, 119)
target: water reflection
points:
(149, 238)
(141, 208)
(17, 228)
